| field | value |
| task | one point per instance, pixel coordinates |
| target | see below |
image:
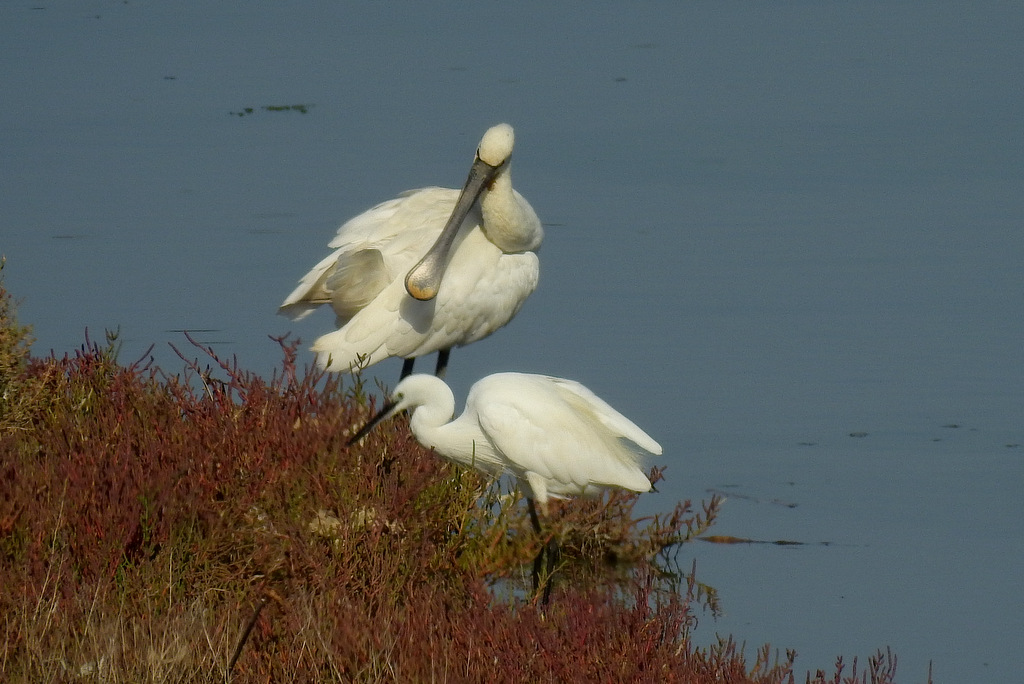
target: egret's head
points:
(410, 393)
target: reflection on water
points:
(786, 239)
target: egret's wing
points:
(542, 430)
(617, 423)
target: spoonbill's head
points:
(492, 155)
(495, 147)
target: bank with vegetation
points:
(208, 524)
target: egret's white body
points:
(468, 257)
(555, 436)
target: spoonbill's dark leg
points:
(550, 550)
(406, 367)
(442, 363)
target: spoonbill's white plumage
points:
(432, 269)
(555, 436)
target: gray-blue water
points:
(769, 226)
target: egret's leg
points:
(406, 367)
(533, 515)
(550, 550)
(552, 553)
(442, 363)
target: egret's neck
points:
(509, 220)
(428, 418)
(460, 441)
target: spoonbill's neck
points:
(508, 219)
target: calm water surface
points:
(787, 240)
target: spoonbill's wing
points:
(370, 251)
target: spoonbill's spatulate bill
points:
(432, 269)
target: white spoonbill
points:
(432, 269)
(555, 436)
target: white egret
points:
(555, 436)
(432, 269)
